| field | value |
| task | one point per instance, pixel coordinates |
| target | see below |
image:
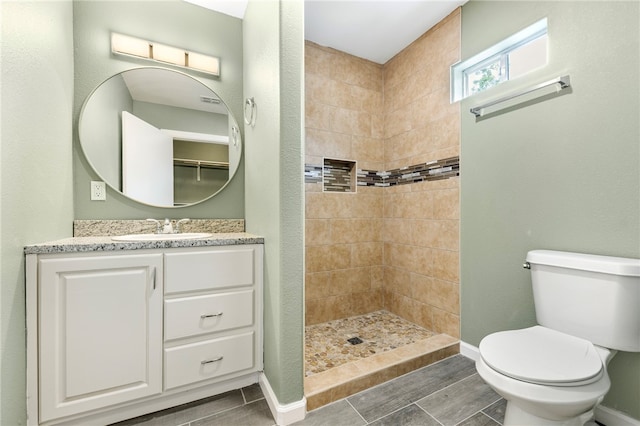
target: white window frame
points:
(499, 51)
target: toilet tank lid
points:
(587, 262)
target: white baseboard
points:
(610, 417)
(469, 351)
(283, 414)
(604, 415)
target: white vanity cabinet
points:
(113, 335)
(209, 300)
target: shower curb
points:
(353, 377)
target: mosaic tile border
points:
(433, 170)
(339, 175)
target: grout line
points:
(492, 418)
(395, 411)
(490, 404)
(219, 412)
(479, 411)
(415, 402)
(452, 384)
(354, 409)
(429, 414)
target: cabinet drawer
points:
(190, 316)
(208, 359)
(211, 269)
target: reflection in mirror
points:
(160, 137)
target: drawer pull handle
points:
(209, 361)
(219, 314)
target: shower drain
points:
(355, 340)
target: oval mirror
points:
(160, 137)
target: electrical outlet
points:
(98, 191)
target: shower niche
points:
(339, 175)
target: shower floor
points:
(326, 344)
(391, 347)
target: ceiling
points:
(166, 87)
(371, 29)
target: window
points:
(509, 59)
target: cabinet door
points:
(100, 331)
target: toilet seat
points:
(542, 356)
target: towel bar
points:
(563, 81)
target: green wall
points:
(36, 202)
(173, 22)
(274, 44)
(561, 174)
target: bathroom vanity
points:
(119, 329)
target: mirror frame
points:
(235, 137)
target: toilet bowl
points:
(547, 377)
(555, 373)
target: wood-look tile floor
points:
(446, 393)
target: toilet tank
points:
(593, 297)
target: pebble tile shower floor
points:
(327, 346)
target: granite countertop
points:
(94, 244)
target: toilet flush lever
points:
(526, 265)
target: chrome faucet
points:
(180, 222)
(167, 228)
(158, 225)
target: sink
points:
(162, 237)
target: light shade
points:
(204, 63)
(132, 46)
(168, 54)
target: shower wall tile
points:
(446, 322)
(440, 234)
(387, 246)
(397, 230)
(322, 310)
(446, 265)
(317, 115)
(323, 143)
(365, 302)
(421, 220)
(317, 230)
(377, 277)
(446, 204)
(318, 59)
(367, 254)
(398, 279)
(351, 230)
(316, 285)
(312, 187)
(345, 121)
(377, 125)
(368, 150)
(440, 294)
(328, 257)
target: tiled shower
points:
(382, 166)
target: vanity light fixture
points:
(139, 48)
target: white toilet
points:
(555, 373)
